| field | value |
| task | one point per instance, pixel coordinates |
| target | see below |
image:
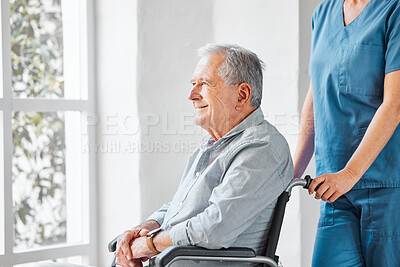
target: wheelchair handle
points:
(304, 182)
(309, 180)
(112, 246)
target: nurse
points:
(350, 118)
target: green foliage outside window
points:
(39, 138)
(37, 48)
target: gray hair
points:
(240, 65)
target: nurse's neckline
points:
(343, 23)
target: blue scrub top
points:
(347, 68)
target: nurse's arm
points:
(379, 132)
(305, 143)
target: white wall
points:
(118, 172)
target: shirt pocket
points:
(362, 70)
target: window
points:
(47, 179)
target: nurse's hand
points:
(333, 185)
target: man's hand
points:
(140, 250)
(123, 252)
(333, 185)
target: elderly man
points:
(232, 181)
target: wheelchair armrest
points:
(170, 253)
(112, 246)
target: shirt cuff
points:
(178, 234)
(158, 217)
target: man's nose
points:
(195, 93)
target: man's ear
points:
(244, 94)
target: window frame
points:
(8, 104)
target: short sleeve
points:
(392, 56)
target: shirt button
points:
(180, 204)
(197, 174)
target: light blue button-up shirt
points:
(229, 188)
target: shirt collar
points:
(254, 119)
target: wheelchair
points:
(233, 254)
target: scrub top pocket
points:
(362, 70)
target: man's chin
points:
(200, 122)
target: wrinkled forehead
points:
(209, 65)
